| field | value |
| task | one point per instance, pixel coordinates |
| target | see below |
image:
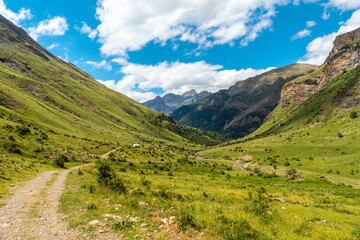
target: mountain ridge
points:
(241, 109)
(170, 102)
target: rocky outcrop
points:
(298, 92)
(344, 56)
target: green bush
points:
(259, 203)
(91, 188)
(237, 229)
(91, 207)
(107, 177)
(124, 224)
(22, 130)
(60, 161)
(104, 172)
(185, 218)
(291, 172)
(353, 114)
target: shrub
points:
(80, 172)
(91, 207)
(353, 114)
(104, 172)
(91, 188)
(340, 135)
(123, 224)
(60, 161)
(291, 172)
(185, 218)
(259, 203)
(13, 148)
(144, 182)
(117, 184)
(22, 130)
(107, 177)
(237, 229)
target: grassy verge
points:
(206, 199)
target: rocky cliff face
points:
(298, 92)
(344, 56)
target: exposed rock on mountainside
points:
(322, 95)
(171, 102)
(242, 108)
(344, 56)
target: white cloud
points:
(301, 34)
(345, 4)
(56, 26)
(128, 25)
(121, 61)
(310, 24)
(85, 29)
(52, 46)
(23, 13)
(319, 48)
(176, 78)
(103, 64)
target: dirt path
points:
(108, 153)
(239, 165)
(32, 212)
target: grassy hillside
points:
(49, 107)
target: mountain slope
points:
(316, 98)
(171, 102)
(242, 108)
(49, 107)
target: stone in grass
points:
(109, 216)
(321, 222)
(143, 225)
(134, 219)
(143, 204)
(94, 222)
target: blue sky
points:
(147, 47)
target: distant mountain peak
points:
(171, 102)
(191, 93)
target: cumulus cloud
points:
(128, 25)
(310, 24)
(176, 78)
(23, 14)
(85, 29)
(345, 4)
(120, 61)
(301, 34)
(103, 64)
(52, 46)
(56, 26)
(319, 48)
